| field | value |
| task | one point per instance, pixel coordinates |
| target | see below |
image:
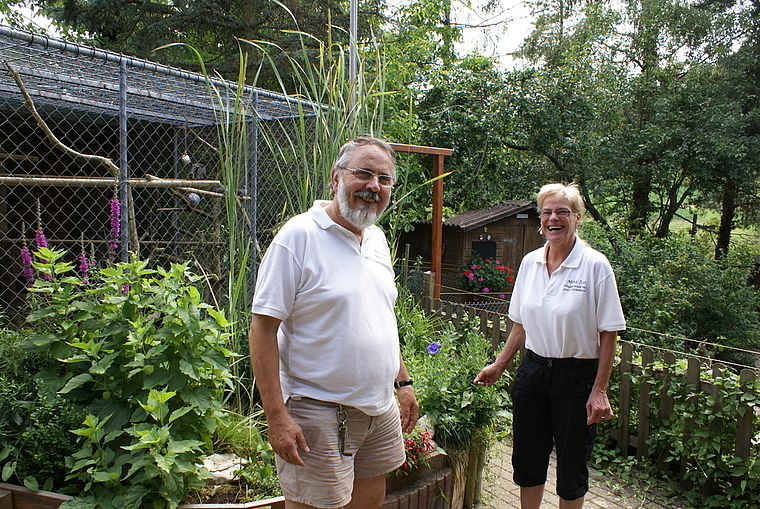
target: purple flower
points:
(26, 263)
(84, 267)
(433, 348)
(115, 232)
(470, 276)
(486, 290)
(502, 296)
(39, 237)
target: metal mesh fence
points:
(158, 126)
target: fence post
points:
(625, 397)
(666, 407)
(693, 388)
(645, 398)
(428, 284)
(744, 431)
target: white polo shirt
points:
(563, 314)
(338, 339)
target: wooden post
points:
(6, 499)
(625, 397)
(645, 398)
(427, 291)
(693, 384)
(437, 217)
(744, 432)
(666, 406)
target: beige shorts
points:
(375, 445)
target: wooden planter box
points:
(427, 488)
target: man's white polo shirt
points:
(338, 339)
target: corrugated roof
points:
(476, 218)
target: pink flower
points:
(115, 232)
(26, 264)
(39, 237)
(84, 267)
(486, 290)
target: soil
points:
(223, 494)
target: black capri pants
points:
(549, 399)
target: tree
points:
(138, 27)
(669, 120)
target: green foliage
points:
(34, 428)
(245, 436)
(444, 361)
(146, 359)
(697, 440)
(674, 287)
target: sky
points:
(497, 34)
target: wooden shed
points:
(505, 232)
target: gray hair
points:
(345, 152)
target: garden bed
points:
(429, 487)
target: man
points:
(324, 344)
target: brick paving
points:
(499, 492)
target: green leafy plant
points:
(146, 359)
(487, 276)
(444, 359)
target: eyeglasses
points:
(561, 213)
(366, 175)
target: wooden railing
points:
(632, 430)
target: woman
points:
(566, 312)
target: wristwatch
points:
(403, 383)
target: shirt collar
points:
(320, 216)
(573, 259)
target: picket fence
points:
(633, 424)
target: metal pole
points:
(123, 161)
(352, 67)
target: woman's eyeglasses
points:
(366, 175)
(561, 213)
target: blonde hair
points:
(569, 192)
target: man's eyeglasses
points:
(366, 175)
(561, 213)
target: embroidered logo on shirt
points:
(574, 285)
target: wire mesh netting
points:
(110, 127)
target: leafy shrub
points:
(145, 358)
(35, 429)
(675, 287)
(696, 442)
(444, 359)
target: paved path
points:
(499, 492)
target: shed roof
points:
(472, 219)
(58, 73)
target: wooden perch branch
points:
(29, 103)
(134, 243)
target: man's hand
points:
(408, 407)
(287, 439)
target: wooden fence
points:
(632, 430)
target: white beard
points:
(361, 218)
